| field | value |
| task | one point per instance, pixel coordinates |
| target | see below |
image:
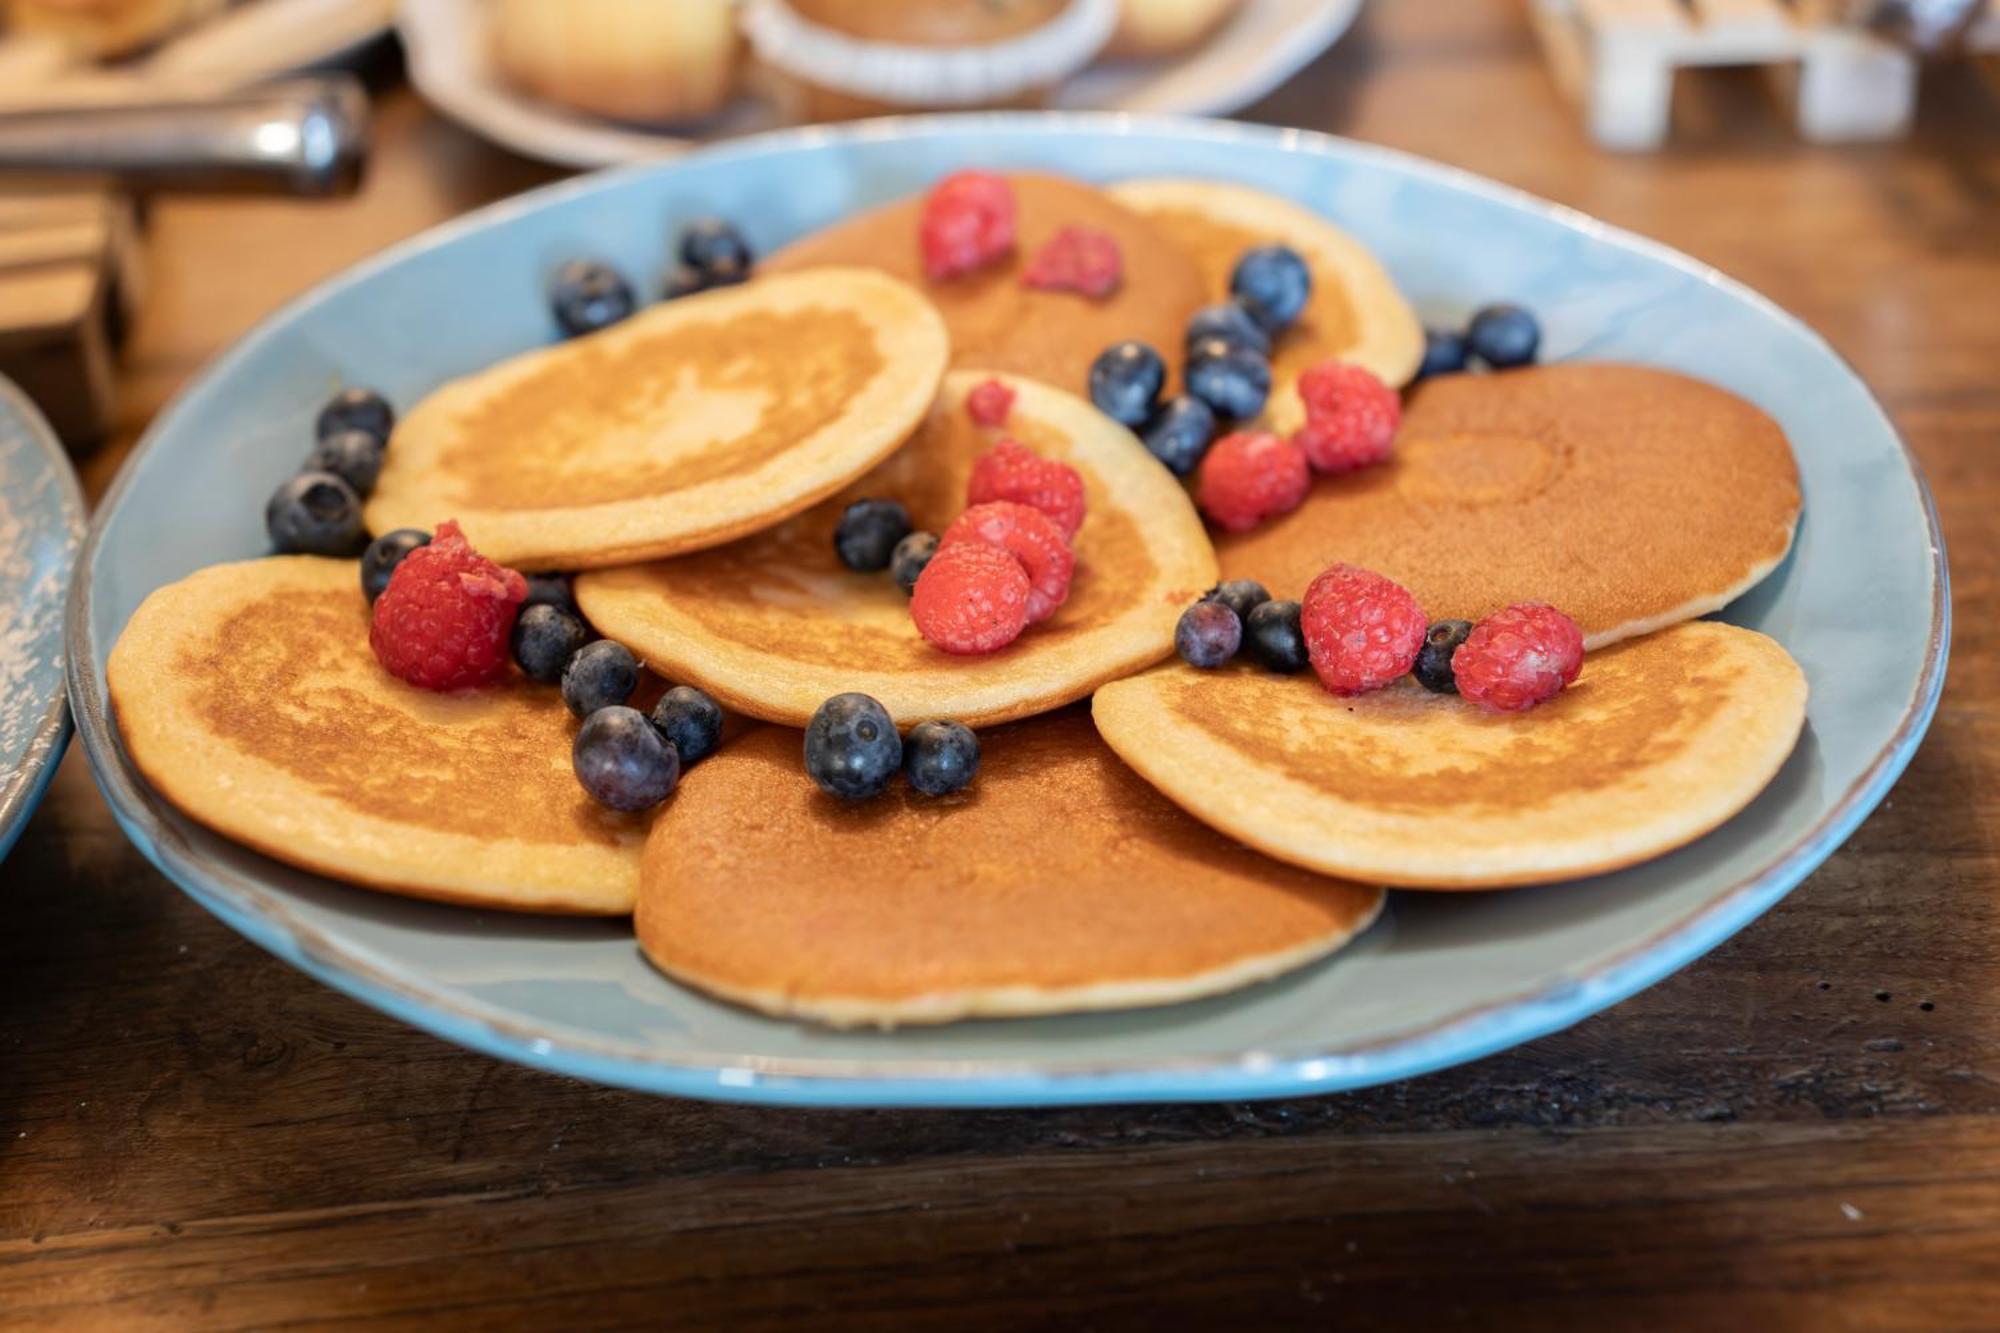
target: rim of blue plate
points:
(1474, 1033)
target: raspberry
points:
(1351, 417)
(1362, 630)
(1032, 538)
(1516, 658)
(989, 403)
(444, 620)
(967, 223)
(971, 598)
(1251, 476)
(1077, 259)
(1010, 471)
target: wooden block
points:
(55, 343)
(1563, 46)
(1854, 86)
(1632, 46)
(1743, 32)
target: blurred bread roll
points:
(1151, 28)
(653, 60)
(104, 29)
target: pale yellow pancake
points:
(687, 425)
(773, 625)
(1660, 740)
(1057, 882)
(248, 696)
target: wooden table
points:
(1802, 1130)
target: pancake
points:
(1659, 741)
(774, 625)
(1632, 498)
(761, 889)
(1355, 314)
(997, 323)
(686, 425)
(247, 695)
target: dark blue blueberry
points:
(1239, 595)
(1444, 353)
(1273, 639)
(622, 761)
(315, 513)
(1208, 635)
(866, 536)
(1232, 322)
(551, 590)
(355, 456)
(379, 561)
(1274, 283)
(356, 409)
(545, 638)
(587, 296)
(691, 721)
(911, 555)
(1504, 336)
(1234, 381)
(711, 245)
(940, 758)
(852, 749)
(1179, 433)
(1433, 668)
(599, 675)
(1125, 382)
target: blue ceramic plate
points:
(1861, 604)
(41, 524)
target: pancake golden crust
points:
(684, 426)
(997, 323)
(247, 695)
(1659, 741)
(773, 625)
(910, 909)
(1632, 498)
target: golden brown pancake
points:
(248, 696)
(1660, 740)
(1629, 497)
(773, 625)
(999, 324)
(685, 426)
(1057, 882)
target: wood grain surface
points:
(1800, 1131)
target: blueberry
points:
(911, 555)
(379, 561)
(940, 758)
(551, 590)
(1503, 336)
(1125, 381)
(1240, 595)
(711, 245)
(315, 513)
(356, 409)
(599, 675)
(1273, 282)
(1433, 668)
(691, 720)
(355, 456)
(1273, 639)
(622, 762)
(1234, 381)
(1444, 353)
(865, 538)
(545, 638)
(1179, 433)
(1232, 322)
(1208, 635)
(852, 749)
(587, 296)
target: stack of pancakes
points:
(692, 462)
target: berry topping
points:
(1249, 477)
(1362, 631)
(967, 223)
(545, 638)
(1233, 323)
(1178, 434)
(355, 456)
(379, 561)
(587, 296)
(599, 675)
(911, 555)
(1518, 657)
(1351, 417)
(866, 536)
(315, 513)
(940, 758)
(852, 749)
(691, 722)
(1076, 259)
(1444, 353)
(551, 590)
(1273, 283)
(1504, 336)
(356, 409)
(1209, 633)
(1235, 381)
(971, 598)
(714, 248)
(1011, 471)
(443, 621)
(1030, 537)
(1273, 639)
(622, 762)
(1433, 666)
(989, 403)
(1125, 382)
(1239, 595)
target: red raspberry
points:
(1011, 471)
(1362, 630)
(1516, 658)
(443, 621)
(1351, 417)
(967, 223)
(1251, 476)
(971, 598)
(1077, 259)
(1032, 538)
(989, 403)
